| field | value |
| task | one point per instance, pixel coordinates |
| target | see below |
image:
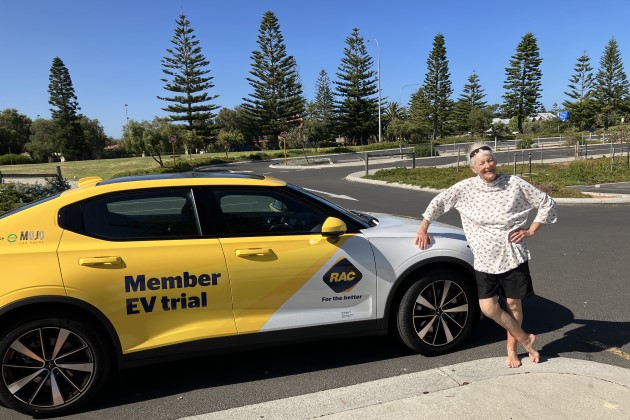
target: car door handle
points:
(100, 261)
(254, 252)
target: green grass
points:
(112, 168)
(555, 179)
(106, 168)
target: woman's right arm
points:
(440, 204)
(422, 237)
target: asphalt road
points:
(580, 270)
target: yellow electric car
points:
(120, 272)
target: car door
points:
(284, 273)
(140, 259)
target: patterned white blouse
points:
(489, 212)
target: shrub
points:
(55, 184)
(525, 143)
(114, 154)
(572, 137)
(182, 165)
(13, 195)
(11, 159)
(339, 149)
(9, 197)
(253, 156)
(425, 151)
(382, 145)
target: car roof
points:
(94, 186)
(196, 174)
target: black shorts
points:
(513, 284)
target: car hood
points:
(390, 226)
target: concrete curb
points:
(480, 389)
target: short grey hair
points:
(474, 147)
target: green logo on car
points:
(12, 237)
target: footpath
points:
(558, 388)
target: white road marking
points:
(345, 197)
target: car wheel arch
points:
(409, 277)
(40, 307)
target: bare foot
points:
(513, 361)
(534, 356)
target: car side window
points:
(167, 214)
(267, 213)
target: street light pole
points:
(126, 114)
(378, 61)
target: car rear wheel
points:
(438, 312)
(51, 366)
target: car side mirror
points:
(333, 227)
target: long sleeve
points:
(547, 212)
(546, 209)
(442, 203)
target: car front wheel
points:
(51, 366)
(437, 312)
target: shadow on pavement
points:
(541, 316)
(591, 337)
(581, 335)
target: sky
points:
(112, 49)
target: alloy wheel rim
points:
(48, 367)
(440, 313)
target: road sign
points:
(172, 139)
(564, 115)
(284, 134)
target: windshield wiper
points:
(369, 219)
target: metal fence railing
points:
(25, 176)
(401, 153)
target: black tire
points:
(437, 312)
(51, 366)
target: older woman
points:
(494, 210)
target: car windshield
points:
(361, 218)
(31, 204)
